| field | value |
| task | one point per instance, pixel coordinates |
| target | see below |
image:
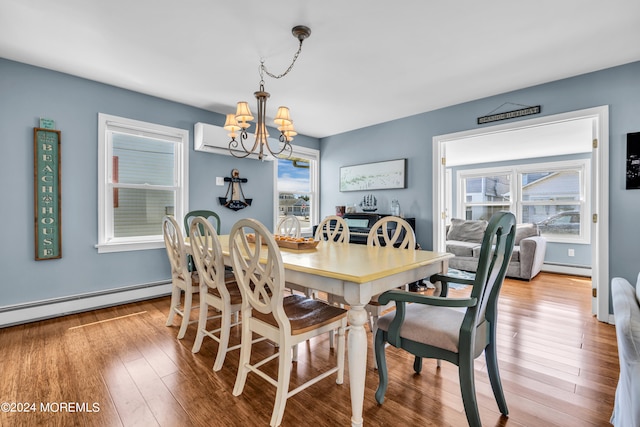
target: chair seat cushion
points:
(515, 254)
(304, 314)
(433, 325)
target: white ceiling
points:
(366, 62)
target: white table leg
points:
(357, 345)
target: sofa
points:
(464, 238)
(626, 310)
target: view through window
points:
(553, 196)
(142, 179)
(297, 179)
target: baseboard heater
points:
(16, 314)
(574, 270)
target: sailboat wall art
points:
(374, 176)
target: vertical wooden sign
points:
(46, 194)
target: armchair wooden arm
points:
(444, 280)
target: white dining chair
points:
(216, 291)
(289, 226)
(266, 311)
(183, 281)
(334, 229)
(387, 231)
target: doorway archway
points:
(599, 119)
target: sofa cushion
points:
(465, 249)
(526, 230)
(515, 255)
(466, 231)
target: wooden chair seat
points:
(234, 292)
(304, 314)
(195, 282)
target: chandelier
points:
(238, 123)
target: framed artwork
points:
(374, 176)
(633, 161)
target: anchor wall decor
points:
(237, 200)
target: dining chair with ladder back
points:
(457, 330)
(266, 311)
(183, 280)
(216, 291)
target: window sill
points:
(128, 246)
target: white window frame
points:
(314, 176)
(480, 173)
(107, 124)
(582, 166)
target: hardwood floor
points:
(122, 366)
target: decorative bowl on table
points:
(289, 242)
(296, 242)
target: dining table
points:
(356, 273)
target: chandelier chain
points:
(273, 76)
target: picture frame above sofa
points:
(464, 239)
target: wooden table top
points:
(352, 262)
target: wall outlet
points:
(219, 181)
(571, 252)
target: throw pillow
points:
(525, 230)
(466, 231)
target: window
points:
(552, 195)
(142, 176)
(485, 195)
(297, 187)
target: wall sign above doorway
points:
(509, 114)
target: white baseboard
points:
(46, 309)
(567, 269)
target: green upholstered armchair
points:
(436, 327)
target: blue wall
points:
(28, 93)
(411, 137)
